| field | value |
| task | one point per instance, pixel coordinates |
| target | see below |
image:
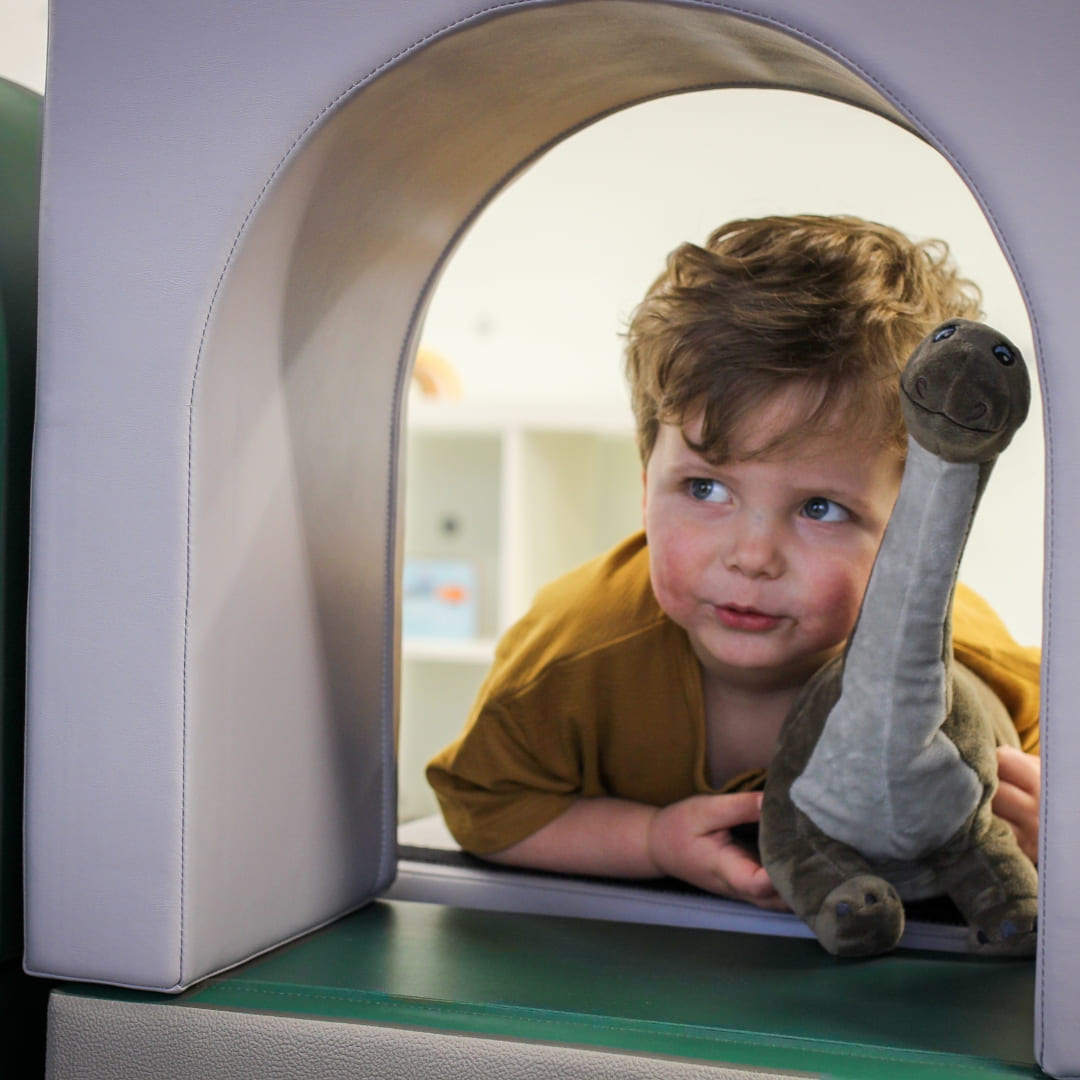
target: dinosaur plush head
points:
(958, 405)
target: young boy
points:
(627, 720)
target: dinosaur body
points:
(879, 789)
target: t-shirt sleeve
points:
(982, 642)
(509, 774)
(582, 692)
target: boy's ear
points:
(644, 483)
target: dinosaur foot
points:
(1008, 929)
(863, 916)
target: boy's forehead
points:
(787, 424)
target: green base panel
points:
(703, 995)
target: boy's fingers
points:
(1019, 769)
(1011, 802)
(750, 881)
(725, 811)
(1018, 807)
(1027, 838)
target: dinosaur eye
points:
(1005, 355)
(943, 333)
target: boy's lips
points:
(737, 617)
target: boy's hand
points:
(1017, 799)
(691, 840)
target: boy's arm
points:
(690, 839)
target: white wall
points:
(532, 304)
(22, 41)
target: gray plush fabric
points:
(880, 785)
(904, 789)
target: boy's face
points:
(764, 562)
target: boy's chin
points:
(764, 663)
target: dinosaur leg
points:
(852, 911)
(995, 886)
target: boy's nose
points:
(755, 551)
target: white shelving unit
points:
(522, 494)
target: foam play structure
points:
(245, 209)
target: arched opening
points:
(293, 415)
(530, 308)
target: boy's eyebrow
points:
(853, 499)
(687, 456)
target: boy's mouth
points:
(737, 617)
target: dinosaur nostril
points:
(978, 412)
(920, 386)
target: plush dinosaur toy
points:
(879, 789)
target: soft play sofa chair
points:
(245, 207)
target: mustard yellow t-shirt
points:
(597, 692)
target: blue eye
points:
(943, 333)
(1005, 355)
(707, 490)
(821, 509)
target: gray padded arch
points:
(245, 207)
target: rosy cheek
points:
(671, 563)
(664, 578)
(839, 596)
(848, 598)
(847, 614)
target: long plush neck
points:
(883, 734)
(904, 624)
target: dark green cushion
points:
(20, 139)
(764, 1002)
(22, 1000)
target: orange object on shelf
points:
(435, 375)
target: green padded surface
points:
(765, 1002)
(20, 143)
(22, 1000)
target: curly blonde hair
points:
(831, 305)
